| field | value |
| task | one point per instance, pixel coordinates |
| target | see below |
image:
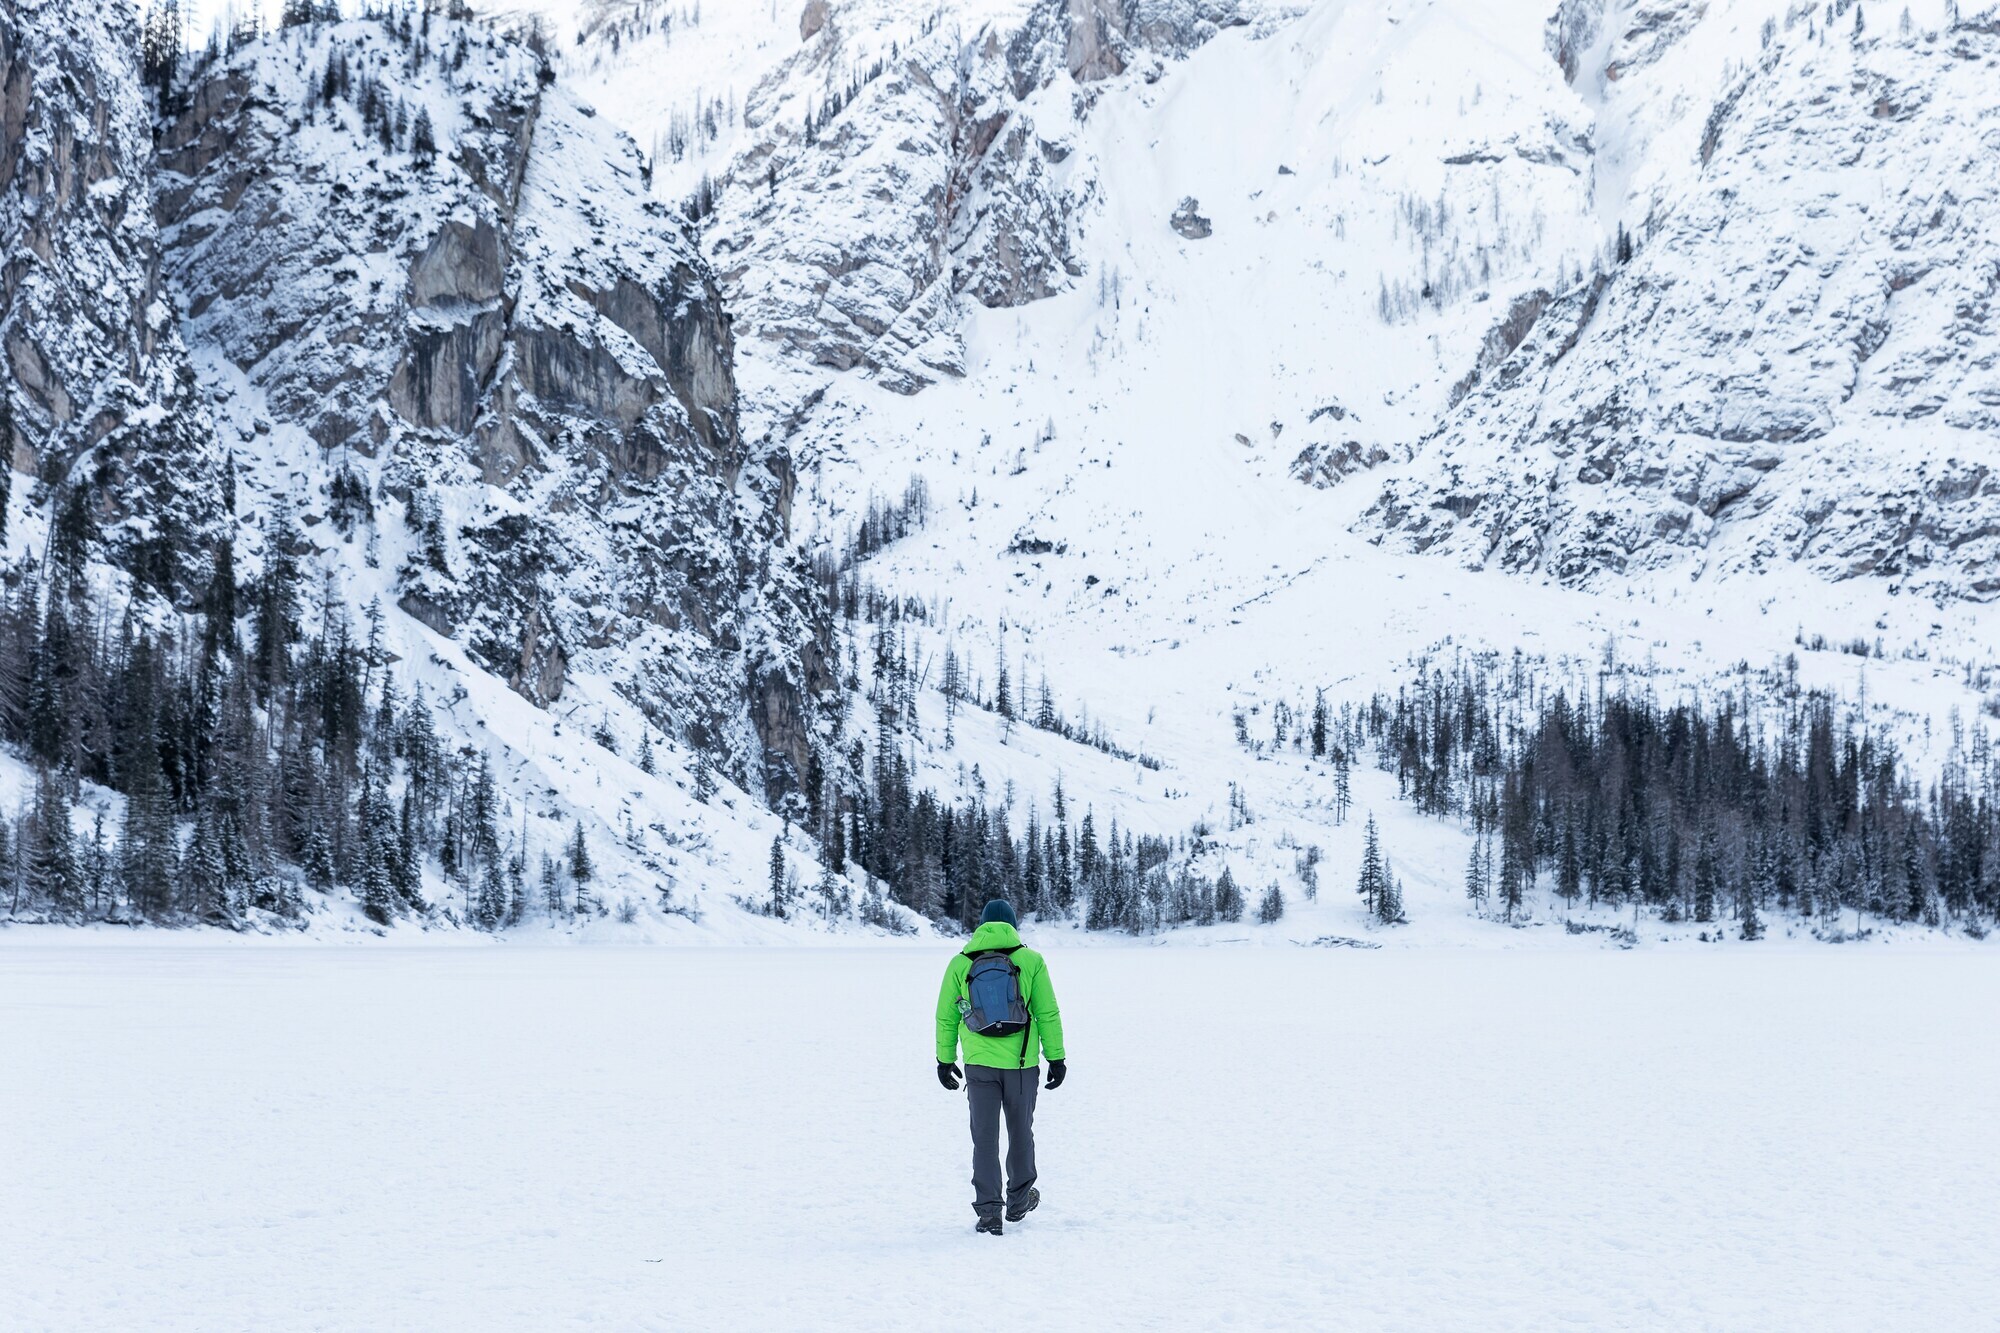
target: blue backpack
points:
(993, 1006)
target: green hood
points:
(993, 935)
(1044, 1035)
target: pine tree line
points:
(818, 117)
(883, 523)
(1765, 798)
(348, 75)
(261, 746)
(943, 859)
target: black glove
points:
(948, 1075)
(1057, 1071)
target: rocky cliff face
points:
(96, 379)
(952, 171)
(397, 239)
(1797, 364)
(933, 181)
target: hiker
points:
(997, 1001)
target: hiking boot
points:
(1017, 1211)
(989, 1225)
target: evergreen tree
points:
(99, 881)
(517, 888)
(1389, 904)
(1228, 898)
(1751, 924)
(203, 884)
(553, 900)
(1373, 881)
(1569, 864)
(378, 893)
(1272, 906)
(580, 867)
(52, 674)
(1704, 878)
(778, 895)
(53, 870)
(491, 911)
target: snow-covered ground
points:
(717, 1139)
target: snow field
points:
(524, 1138)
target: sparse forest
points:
(1728, 806)
(258, 745)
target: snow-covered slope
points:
(1798, 363)
(1314, 248)
(1207, 327)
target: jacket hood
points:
(993, 935)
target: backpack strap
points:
(1029, 1027)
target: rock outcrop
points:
(408, 246)
(1188, 223)
(954, 171)
(97, 381)
(1801, 362)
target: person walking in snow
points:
(998, 1003)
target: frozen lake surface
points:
(201, 1137)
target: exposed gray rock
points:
(1501, 340)
(1322, 466)
(957, 172)
(1793, 366)
(1574, 27)
(1188, 221)
(535, 355)
(95, 372)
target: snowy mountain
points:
(401, 245)
(971, 430)
(408, 344)
(1795, 364)
(1320, 247)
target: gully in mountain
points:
(997, 1001)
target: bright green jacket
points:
(1044, 1019)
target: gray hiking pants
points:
(991, 1093)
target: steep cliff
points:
(398, 239)
(896, 166)
(97, 383)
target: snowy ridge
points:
(1796, 364)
